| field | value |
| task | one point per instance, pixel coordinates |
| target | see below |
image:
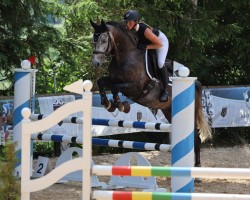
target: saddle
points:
(152, 65)
(152, 69)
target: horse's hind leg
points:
(197, 148)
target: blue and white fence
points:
(103, 142)
(112, 123)
(183, 94)
(22, 90)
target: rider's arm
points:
(155, 41)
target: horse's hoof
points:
(107, 104)
(197, 180)
(126, 106)
(120, 107)
(111, 107)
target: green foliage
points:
(43, 149)
(228, 58)
(9, 187)
(23, 32)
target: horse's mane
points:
(131, 34)
(119, 25)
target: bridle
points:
(111, 42)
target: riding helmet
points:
(132, 15)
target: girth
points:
(147, 88)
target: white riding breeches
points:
(163, 51)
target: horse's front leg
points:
(120, 87)
(117, 101)
(105, 83)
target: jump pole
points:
(23, 94)
(112, 123)
(103, 142)
(183, 93)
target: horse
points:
(127, 75)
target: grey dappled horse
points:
(127, 74)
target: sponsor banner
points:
(227, 107)
(6, 120)
(49, 104)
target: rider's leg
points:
(164, 79)
(162, 54)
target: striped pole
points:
(183, 91)
(103, 142)
(22, 93)
(124, 195)
(197, 172)
(112, 123)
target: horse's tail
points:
(203, 126)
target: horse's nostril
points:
(98, 64)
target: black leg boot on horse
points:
(164, 79)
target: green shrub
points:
(43, 149)
(9, 186)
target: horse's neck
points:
(122, 42)
(124, 53)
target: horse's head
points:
(102, 41)
(112, 38)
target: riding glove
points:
(141, 46)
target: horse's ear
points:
(93, 24)
(103, 23)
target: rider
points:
(150, 39)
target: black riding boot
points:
(164, 80)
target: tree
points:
(228, 54)
(23, 32)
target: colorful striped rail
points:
(195, 172)
(112, 122)
(123, 195)
(103, 142)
